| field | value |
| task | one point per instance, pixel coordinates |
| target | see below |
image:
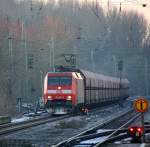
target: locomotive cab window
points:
(54, 81)
(65, 80)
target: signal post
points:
(141, 106)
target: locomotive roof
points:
(64, 72)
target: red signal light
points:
(136, 129)
(135, 132)
(131, 129)
(139, 129)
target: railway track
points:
(13, 127)
(97, 136)
(16, 126)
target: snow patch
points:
(95, 140)
(15, 120)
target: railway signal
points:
(30, 61)
(141, 105)
(136, 133)
(120, 65)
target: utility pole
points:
(23, 38)
(92, 60)
(108, 4)
(120, 69)
(115, 66)
(120, 7)
(52, 54)
(11, 65)
(146, 77)
(27, 76)
(41, 83)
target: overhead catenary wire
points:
(126, 2)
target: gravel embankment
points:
(53, 133)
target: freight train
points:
(66, 92)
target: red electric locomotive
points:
(70, 91)
(60, 91)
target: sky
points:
(135, 5)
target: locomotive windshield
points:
(56, 80)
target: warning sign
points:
(141, 105)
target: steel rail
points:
(123, 136)
(43, 119)
(112, 136)
(91, 132)
(11, 128)
(2, 126)
(109, 133)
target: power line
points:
(126, 2)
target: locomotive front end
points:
(58, 94)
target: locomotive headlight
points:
(49, 97)
(59, 88)
(69, 97)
